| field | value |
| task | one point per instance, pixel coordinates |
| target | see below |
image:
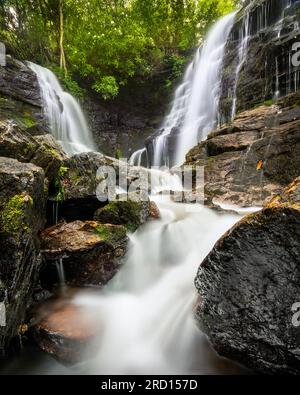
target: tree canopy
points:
(108, 42)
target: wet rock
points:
(43, 151)
(248, 284)
(66, 332)
(22, 207)
(91, 251)
(254, 158)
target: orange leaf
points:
(260, 165)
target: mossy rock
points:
(14, 216)
(129, 213)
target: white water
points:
(137, 157)
(195, 107)
(64, 114)
(146, 312)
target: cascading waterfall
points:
(195, 107)
(146, 313)
(64, 114)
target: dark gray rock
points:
(248, 284)
(20, 99)
(22, 209)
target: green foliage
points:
(109, 42)
(107, 87)
(58, 184)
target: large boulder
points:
(91, 252)
(22, 208)
(130, 213)
(249, 284)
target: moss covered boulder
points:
(249, 285)
(22, 209)
(131, 213)
(91, 252)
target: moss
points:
(60, 196)
(269, 102)
(121, 213)
(52, 151)
(27, 120)
(111, 233)
(13, 216)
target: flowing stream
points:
(146, 312)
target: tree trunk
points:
(63, 64)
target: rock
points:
(132, 214)
(80, 183)
(67, 332)
(267, 68)
(43, 151)
(154, 211)
(254, 158)
(248, 284)
(20, 99)
(22, 208)
(121, 126)
(91, 251)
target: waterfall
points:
(195, 107)
(64, 114)
(146, 312)
(137, 157)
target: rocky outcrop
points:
(91, 251)
(249, 284)
(121, 126)
(253, 158)
(22, 216)
(43, 151)
(20, 99)
(259, 68)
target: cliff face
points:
(258, 58)
(121, 126)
